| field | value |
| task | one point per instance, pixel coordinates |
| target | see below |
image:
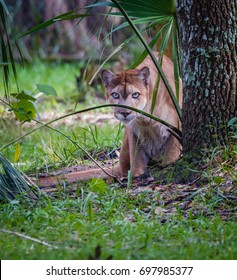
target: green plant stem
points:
(177, 132)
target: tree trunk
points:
(208, 40)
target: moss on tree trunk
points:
(209, 65)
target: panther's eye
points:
(135, 95)
(115, 95)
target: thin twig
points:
(28, 237)
(194, 181)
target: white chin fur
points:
(124, 120)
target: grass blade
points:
(112, 54)
(6, 47)
(5, 64)
(4, 56)
(155, 92)
(166, 37)
(175, 62)
(5, 8)
(152, 44)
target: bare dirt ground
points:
(199, 197)
(85, 118)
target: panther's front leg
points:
(138, 158)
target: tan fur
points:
(144, 139)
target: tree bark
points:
(208, 40)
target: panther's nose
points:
(125, 114)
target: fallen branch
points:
(73, 177)
(28, 238)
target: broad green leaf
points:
(24, 110)
(17, 153)
(47, 89)
(143, 8)
(23, 95)
(98, 185)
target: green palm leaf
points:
(141, 8)
(13, 184)
(66, 16)
(175, 57)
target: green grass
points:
(116, 222)
(123, 222)
(45, 147)
(61, 76)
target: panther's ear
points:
(144, 74)
(106, 77)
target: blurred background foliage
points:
(78, 39)
(67, 40)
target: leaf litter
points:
(216, 195)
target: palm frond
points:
(148, 8)
(13, 184)
(66, 16)
(176, 61)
